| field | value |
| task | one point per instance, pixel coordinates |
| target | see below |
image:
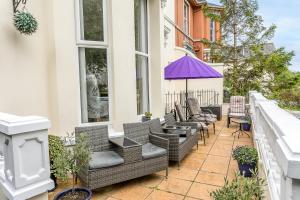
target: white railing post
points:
(25, 169)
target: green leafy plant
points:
(56, 146)
(72, 159)
(148, 114)
(25, 22)
(245, 155)
(241, 188)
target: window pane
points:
(140, 23)
(142, 88)
(94, 85)
(212, 30)
(186, 18)
(92, 22)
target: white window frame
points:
(212, 27)
(80, 29)
(186, 19)
(80, 43)
(147, 55)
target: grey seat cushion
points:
(105, 159)
(151, 151)
(182, 140)
(202, 125)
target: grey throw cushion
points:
(105, 159)
(182, 140)
(151, 151)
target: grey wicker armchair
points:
(110, 163)
(178, 146)
(154, 149)
(201, 126)
(196, 114)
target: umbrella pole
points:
(186, 96)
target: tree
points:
(242, 30)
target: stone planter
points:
(144, 118)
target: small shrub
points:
(56, 146)
(72, 159)
(148, 114)
(241, 188)
(245, 155)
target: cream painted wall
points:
(123, 61)
(40, 73)
(156, 41)
(24, 62)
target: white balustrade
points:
(24, 162)
(276, 134)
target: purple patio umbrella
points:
(188, 67)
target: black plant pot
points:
(246, 126)
(55, 182)
(63, 193)
(144, 118)
(245, 169)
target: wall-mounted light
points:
(16, 3)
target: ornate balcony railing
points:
(276, 136)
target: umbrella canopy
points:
(188, 67)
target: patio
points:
(201, 171)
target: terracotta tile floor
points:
(200, 172)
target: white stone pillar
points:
(25, 169)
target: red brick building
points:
(193, 25)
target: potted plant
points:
(56, 148)
(147, 116)
(241, 188)
(247, 126)
(247, 158)
(70, 161)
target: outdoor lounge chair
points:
(201, 126)
(237, 108)
(154, 149)
(111, 163)
(179, 145)
(197, 114)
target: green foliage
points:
(243, 31)
(245, 155)
(148, 114)
(25, 22)
(72, 159)
(56, 146)
(241, 188)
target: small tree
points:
(242, 30)
(72, 159)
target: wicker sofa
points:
(179, 145)
(112, 164)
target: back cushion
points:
(237, 104)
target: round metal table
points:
(240, 131)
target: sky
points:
(286, 16)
